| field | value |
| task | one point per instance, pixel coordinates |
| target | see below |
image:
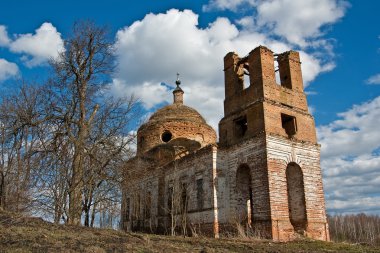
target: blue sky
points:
(339, 43)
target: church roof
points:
(177, 112)
(175, 124)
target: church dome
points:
(177, 111)
(175, 125)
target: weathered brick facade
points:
(263, 176)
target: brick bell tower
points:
(270, 125)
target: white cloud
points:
(355, 133)
(246, 22)
(375, 79)
(312, 66)
(294, 20)
(226, 4)
(7, 69)
(355, 205)
(150, 94)
(222, 30)
(351, 159)
(151, 52)
(37, 48)
(4, 39)
(298, 20)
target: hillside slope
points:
(25, 234)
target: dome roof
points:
(177, 112)
(177, 125)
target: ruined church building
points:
(262, 177)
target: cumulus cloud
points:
(37, 48)
(4, 39)
(351, 159)
(151, 51)
(149, 93)
(226, 4)
(294, 20)
(352, 185)
(375, 79)
(355, 133)
(298, 20)
(7, 69)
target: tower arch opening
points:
(244, 196)
(296, 197)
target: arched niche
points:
(296, 197)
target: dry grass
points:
(20, 234)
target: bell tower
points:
(264, 106)
(270, 124)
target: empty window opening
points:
(241, 126)
(166, 136)
(277, 73)
(296, 197)
(283, 71)
(244, 195)
(184, 197)
(289, 123)
(200, 194)
(246, 77)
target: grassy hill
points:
(25, 234)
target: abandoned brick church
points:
(262, 177)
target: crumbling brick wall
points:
(264, 174)
(276, 116)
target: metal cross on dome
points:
(178, 82)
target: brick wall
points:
(281, 153)
(264, 174)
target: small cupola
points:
(175, 124)
(178, 92)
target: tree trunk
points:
(57, 212)
(2, 190)
(75, 191)
(93, 215)
(87, 209)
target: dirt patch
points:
(26, 234)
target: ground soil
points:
(26, 234)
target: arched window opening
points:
(244, 195)
(296, 197)
(246, 76)
(241, 126)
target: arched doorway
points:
(244, 205)
(296, 197)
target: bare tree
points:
(20, 112)
(357, 228)
(80, 73)
(63, 143)
(51, 176)
(177, 206)
(106, 152)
